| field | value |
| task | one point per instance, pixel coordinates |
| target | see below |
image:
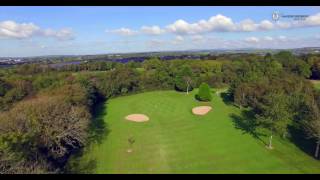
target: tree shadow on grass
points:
(248, 124)
(78, 166)
(227, 98)
(298, 138)
(98, 132)
(98, 127)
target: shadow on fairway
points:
(98, 132)
(247, 123)
(298, 138)
(99, 128)
(75, 167)
(226, 97)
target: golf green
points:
(176, 141)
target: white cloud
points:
(278, 42)
(282, 38)
(155, 43)
(313, 20)
(268, 38)
(152, 30)
(63, 34)
(221, 23)
(123, 31)
(215, 23)
(252, 40)
(197, 38)
(283, 25)
(266, 25)
(11, 29)
(182, 27)
(247, 25)
(178, 40)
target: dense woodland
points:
(46, 113)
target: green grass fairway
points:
(176, 141)
(316, 83)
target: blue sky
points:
(33, 31)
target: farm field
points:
(176, 141)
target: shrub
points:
(204, 93)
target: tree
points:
(152, 63)
(314, 62)
(44, 131)
(4, 87)
(268, 57)
(311, 122)
(275, 114)
(301, 68)
(183, 80)
(204, 93)
(284, 57)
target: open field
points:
(176, 141)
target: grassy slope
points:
(176, 141)
(316, 83)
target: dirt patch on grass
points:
(137, 117)
(201, 110)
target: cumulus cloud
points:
(279, 42)
(221, 23)
(63, 34)
(12, 29)
(197, 38)
(282, 38)
(178, 39)
(266, 25)
(123, 31)
(215, 23)
(247, 25)
(218, 23)
(313, 20)
(252, 39)
(152, 30)
(269, 39)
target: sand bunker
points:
(201, 110)
(137, 117)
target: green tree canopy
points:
(204, 93)
(183, 80)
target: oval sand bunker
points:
(201, 110)
(137, 117)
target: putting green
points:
(176, 141)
